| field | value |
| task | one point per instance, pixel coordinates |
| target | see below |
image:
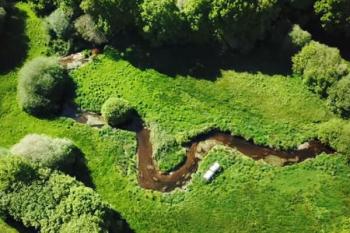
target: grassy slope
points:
(247, 196)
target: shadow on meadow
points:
(81, 171)
(13, 40)
(19, 226)
(203, 61)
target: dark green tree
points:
(111, 16)
(334, 15)
(240, 23)
(162, 22)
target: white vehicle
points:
(208, 175)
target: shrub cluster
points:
(41, 87)
(59, 22)
(50, 152)
(326, 73)
(339, 97)
(50, 201)
(336, 133)
(320, 66)
(116, 111)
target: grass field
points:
(247, 196)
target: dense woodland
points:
(274, 73)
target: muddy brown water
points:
(150, 177)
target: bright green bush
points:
(339, 97)
(86, 224)
(334, 14)
(88, 30)
(298, 37)
(240, 23)
(336, 133)
(59, 22)
(54, 153)
(162, 21)
(41, 86)
(50, 201)
(116, 111)
(320, 66)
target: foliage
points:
(233, 21)
(2, 18)
(116, 111)
(111, 16)
(42, 7)
(69, 6)
(166, 151)
(60, 47)
(298, 37)
(336, 133)
(339, 97)
(334, 14)
(86, 224)
(59, 22)
(51, 199)
(196, 13)
(86, 27)
(162, 21)
(320, 66)
(41, 86)
(50, 152)
(14, 171)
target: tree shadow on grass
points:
(80, 170)
(119, 225)
(19, 226)
(13, 40)
(204, 61)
